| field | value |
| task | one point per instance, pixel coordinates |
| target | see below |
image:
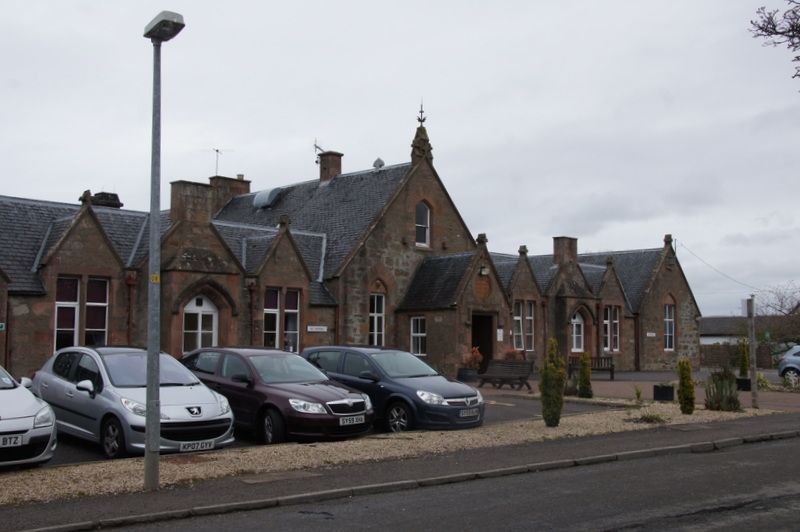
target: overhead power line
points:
(720, 272)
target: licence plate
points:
(351, 420)
(469, 412)
(11, 441)
(189, 446)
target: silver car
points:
(99, 394)
(27, 424)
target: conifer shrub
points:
(685, 386)
(721, 391)
(744, 360)
(585, 381)
(552, 380)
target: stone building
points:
(380, 256)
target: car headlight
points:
(134, 407)
(44, 418)
(480, 397)
(224, 405)
(431, 398)
(367, 401)
(307, 407)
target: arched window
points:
(423, 224)
(200, 324)
(577, 333)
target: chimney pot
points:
(565, 249)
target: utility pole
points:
(751, 318)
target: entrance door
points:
(483, 337)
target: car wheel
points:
(398, 417)
(792, 371)
(272, 427)
(113, 439)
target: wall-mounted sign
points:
(317, 328)
(499, 335)
(651, 335)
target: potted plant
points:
(470, 363)
(664, 391)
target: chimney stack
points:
(565, 249)
(330, 165)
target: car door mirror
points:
(242, 378)
(86, 386)
(369, 376)
(26, 382)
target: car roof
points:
(116, 350)
(366, 349)
(247, 351)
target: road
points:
(73, 450)
(749, 487)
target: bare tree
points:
(780, 28)
(779, 307)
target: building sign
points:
(317, 328)
(499, 335)
(651, 335)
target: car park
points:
(279, 394)
(789, 362)
(99, 394)
(27, 424)
(405, 391)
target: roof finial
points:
(421, 118)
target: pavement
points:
(247, 492)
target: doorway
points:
(483, 337)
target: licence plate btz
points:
(13, 440)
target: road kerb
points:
(728, 442)
(447, 479)
(242, 506)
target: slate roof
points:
(505, 265)
(436, 282)
(634, 269)
(30, 228)
(738, 326)
(251, 243)
(342, 209)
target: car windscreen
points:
(129, 370)
(401, 364)
(6, 382)
(276, 369)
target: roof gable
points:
(437, 281)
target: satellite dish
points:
(378, 164)
(266, 198)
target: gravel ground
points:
(125, 476)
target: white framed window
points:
(611, 328)
(377, 319)
(577, 333)
(606, 328)
(518, 339)
(669, 327)
(615, 328)
(530, 313)
(423, 224)
(67, 310)
(418, 336)
(96, 330)
(200, 324)
(291, 321)
(272, 312)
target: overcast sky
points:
(614, 122)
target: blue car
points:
(406, 392)
(790, 362)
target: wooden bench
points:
(515, 373)
(597, 364)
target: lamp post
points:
(164, 27)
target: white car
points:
(27, 424)
(99, 394)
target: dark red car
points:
(279, 394)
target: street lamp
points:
(164, 27)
